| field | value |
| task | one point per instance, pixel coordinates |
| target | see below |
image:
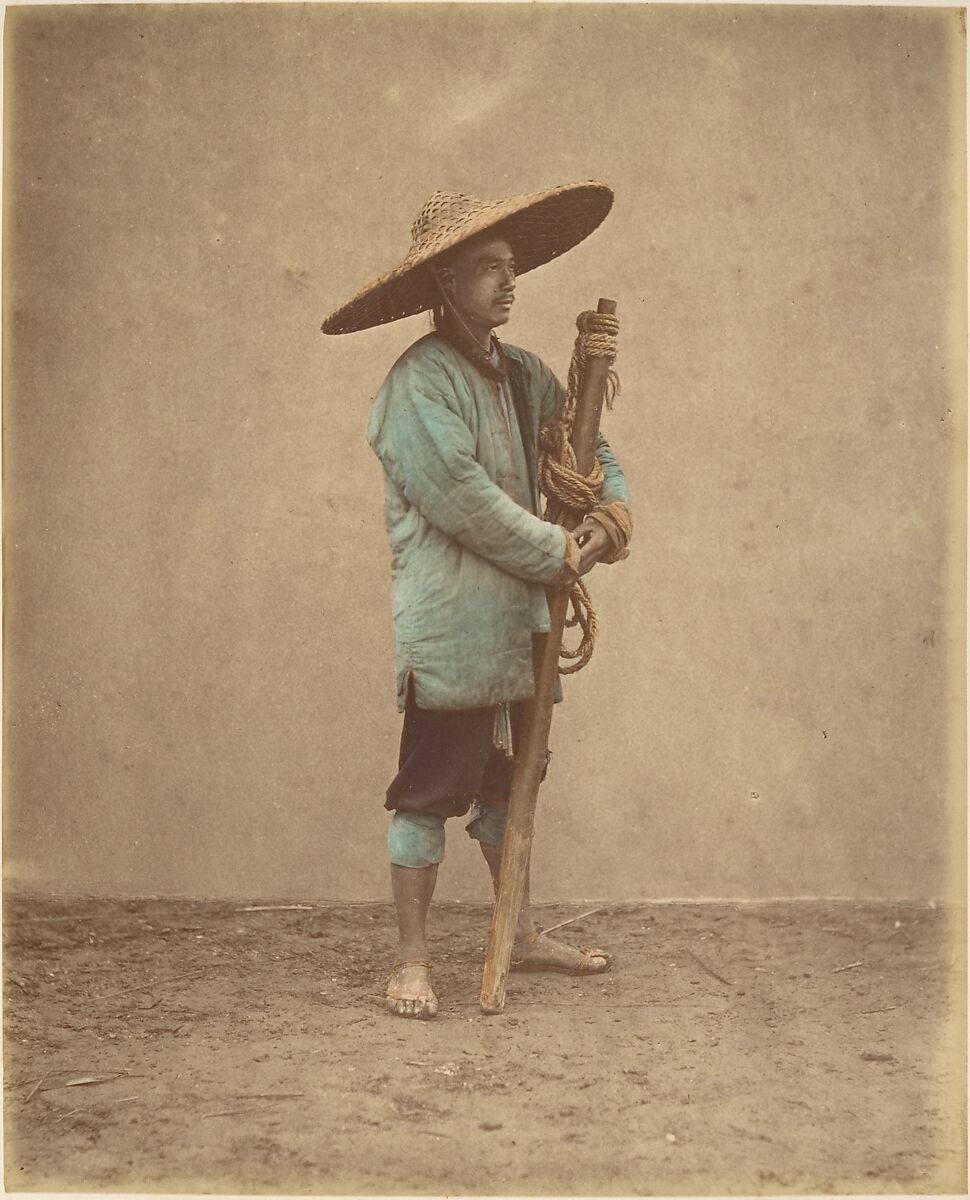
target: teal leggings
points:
(418, 839)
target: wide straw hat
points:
(539, 226)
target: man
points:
(455, 426)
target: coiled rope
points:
(570, 495)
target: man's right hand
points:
(594, 542)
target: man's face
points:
(480, 280)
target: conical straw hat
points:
(539, 226)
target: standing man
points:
(455, 426)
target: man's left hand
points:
(594, 542)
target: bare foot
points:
(409, 991)
(536, 952)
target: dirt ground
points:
(175, 1046)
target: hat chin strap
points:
(456, 332)
(458, 318)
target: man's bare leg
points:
(532, 949)
(409, 991)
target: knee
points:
(416, 839)
(488, 825)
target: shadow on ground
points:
(735, 1049)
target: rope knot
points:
(597, 333)
(596, 339)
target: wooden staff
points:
(533, 739)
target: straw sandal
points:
(584, 967)
(424, 1015)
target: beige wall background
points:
(199, 675)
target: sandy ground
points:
(180, 1046)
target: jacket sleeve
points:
(614, 481)
(429, 453)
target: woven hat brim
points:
(539, 227)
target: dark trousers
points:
(447, 760)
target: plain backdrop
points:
(199, 670)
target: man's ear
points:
(446, 277)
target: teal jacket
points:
(469, 552)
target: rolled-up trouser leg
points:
(416, 839)
(488, 824)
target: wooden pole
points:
(533, 739)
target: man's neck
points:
(481, 333)
(484, 339)
(456, 331)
